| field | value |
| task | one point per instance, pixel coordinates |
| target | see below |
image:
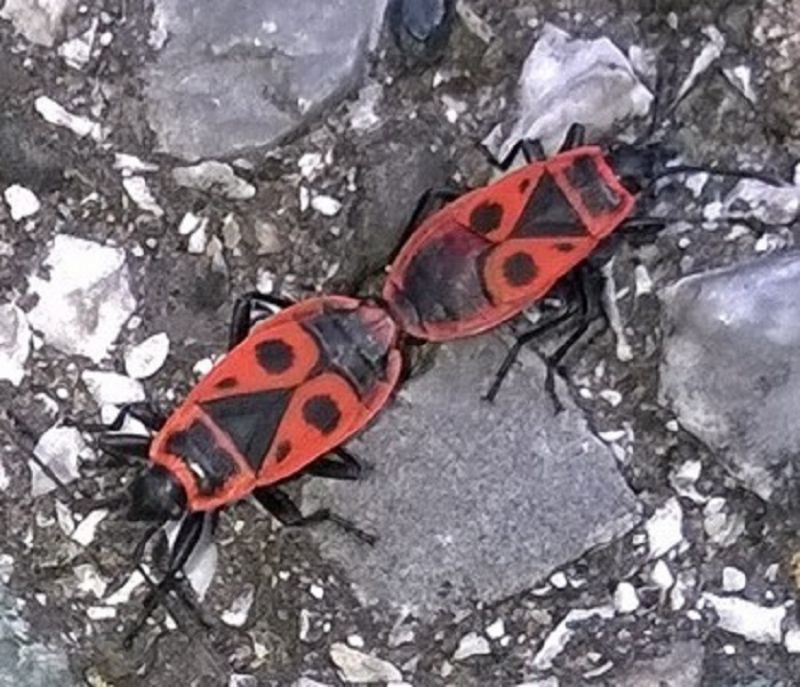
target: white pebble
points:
(665, 528)
(360, 668)
(21, 202)
(471, 644)
(316, 591)
(236, 615)
(112, 388)
(146, 358)
(749, 620)
(496, 630)
(326, 205)
(733, 579)
(792, 641)
(626, 600)
(662, 576)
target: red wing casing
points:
(301, 383)
(496, 250)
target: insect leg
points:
(531, 149)
(188, 535)
(242, 318)
(144, 411)
(576, 135)
(348, 468)
(125, 445)
(287, 512)
(513, 353)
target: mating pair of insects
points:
(294, 387)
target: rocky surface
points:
(522, 564)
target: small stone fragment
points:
(359, 668)
(733, 579)
(216, 177)
(59, 448)
(708, 55)
(741, 78)
(90, 581)
(87, 298)
(665, 528)
(112, 388)
(558, 639)
(721, 527)
(130, 164)
(626, 600)
(21, 202)
(236, 614)
(770, 204)
(496, 630)
(747, 619)
(662, 576)
(792, 641)
(421, 28)
(15, 343)
(266, 237)
(140, 193)
(471, 644)
(242, 680)
(198, 241)
(39, 22)
(146, 358)
(86, 530)
(54, 113)
(191, 223)
(325, 205)
(78, 51)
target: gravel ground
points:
(700, 592)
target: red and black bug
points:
(489, 254)
(289, 391)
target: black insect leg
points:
(513, 353)
(143, 411)
(242, 318)
(576, 136)
(531, 149)
(186, 541)
(347, 468)
(286, 511)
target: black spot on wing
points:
(597, 196)
(226, 383)
(250, 420)
(275, 356)
(519, 269)
(210, 464)
(486, 217)
(322, 413)
(282, 450)
(564, 247)
(548, 213)
(524, 185)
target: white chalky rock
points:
(59, 448)
(22, 202)
(566, 80)
(626, 600)
(236, 615)
(112, 388)
(747, 619)
(733, 579)
(54, 113)
(471, 644)
(665, 528)
(756, 199)
(38, 21)
(146, 358)
(15, 343)
(136, 187)
(86, 299)
(214, 177)
(359, 668)
(326, 205)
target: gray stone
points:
(681, 667)
(25, 662)
(40, 22)
(234, 75)
(402, 161)
(729, 368)
(473, 500)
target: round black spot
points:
(282, 450)
(322, 413)
(227, 383)
(486, 217)
(524, 185)
(565, 247)
(519, 269)
(275, 356)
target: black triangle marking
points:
(548, 213)
(250, 420)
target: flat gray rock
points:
(473, 501)
(234, 75)
(683, 666)
(730, 366)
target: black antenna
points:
(18, 426)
